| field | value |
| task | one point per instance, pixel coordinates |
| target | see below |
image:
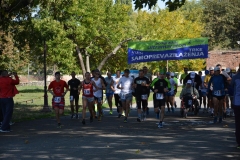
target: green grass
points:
(29, 103)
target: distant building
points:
(228, 59)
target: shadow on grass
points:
(37, 90)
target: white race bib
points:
(71, 98)
(144, 97)
(189, 102)
(87, 91)
(159, 96)
(57, 99)
(217, 93)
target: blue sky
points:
(160, 4)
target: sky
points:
(160, 4)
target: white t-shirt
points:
(126, 83)
(115, 83)
(98, 83)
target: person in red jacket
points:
(56, 88)
(7, 92)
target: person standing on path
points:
(7, 92)
(109, 90)
(235, 83)
(56, 88)
(182, 77)
(75, 87)
(149, 76)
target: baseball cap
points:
(189, 81)
(216, 69)
(227, 70)
(171, 74)
(211, 68)
(168, 73)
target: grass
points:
(29, 103)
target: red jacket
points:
(7, 87)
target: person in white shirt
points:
(116, 90)
(125, 84)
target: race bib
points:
(57, 99)
(217, 93)
(159, 96)
(123, 96)
(189, 102)
(144, 97)
(87, 91)
(71, 98)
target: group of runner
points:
(212, 90)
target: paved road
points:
(186, 139)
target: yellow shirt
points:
(207, 78)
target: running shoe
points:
(72, 116)
(59, 125)
(111, 112)
(4, 131)
(215, 120)
(138, 119)
(91, 119)
(172, 109)
(76, 116)
(160, 125)
(119, 115)
(125, 120)
(11, 123)
(83, 122)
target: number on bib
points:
(57, 99)
(87, 91)
(159, 96)
(217, 93)
(189, 102)
(71, 98)
(144, 97)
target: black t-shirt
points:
(141, 90)
(197, 80)
(160, 84)
(74, 83)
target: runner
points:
(210, 106)
(170, 94)
(235, 83)
(219, 83)
(116, 90)
(126, 84)
(56, 88)
(204, 92)
(141, 85)
(182, 77)
(159, 87)
(175, 85)
(149, 76)
(109, 90)
(98, 93)
(88, 97)
(75, 87)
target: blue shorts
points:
(109, 94)
(204, 93)
(126, 97)
(169, 94)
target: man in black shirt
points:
(141, 85)
(159, 88)
(75, 87)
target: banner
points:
(147, 51)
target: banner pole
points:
(167, 65)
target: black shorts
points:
(209, 95)
(158, 103)
(74, 97)
(219, 97)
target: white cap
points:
(189, 81)
(216, 69)
(211, 68)
(171, 74)
(227, 70)
(192, 74)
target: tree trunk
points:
(113, 52)
(81, 61)
(87, 63)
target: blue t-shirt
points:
(235, 83)
(219, 83)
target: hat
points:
(192, 74)
(171, 74)
(216, 69)
(168, 73)
(189, 81)
(228, 70)
(211, 68)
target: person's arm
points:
(196, 93)
(120, 83)
(103, 85)
(182, 93)
(80, 87)
(16, 80)
(153, 82)
(66, 88)
(181, 78)
(112, 85)
(209, 85)
(50, 87)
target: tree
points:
(222, 21)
